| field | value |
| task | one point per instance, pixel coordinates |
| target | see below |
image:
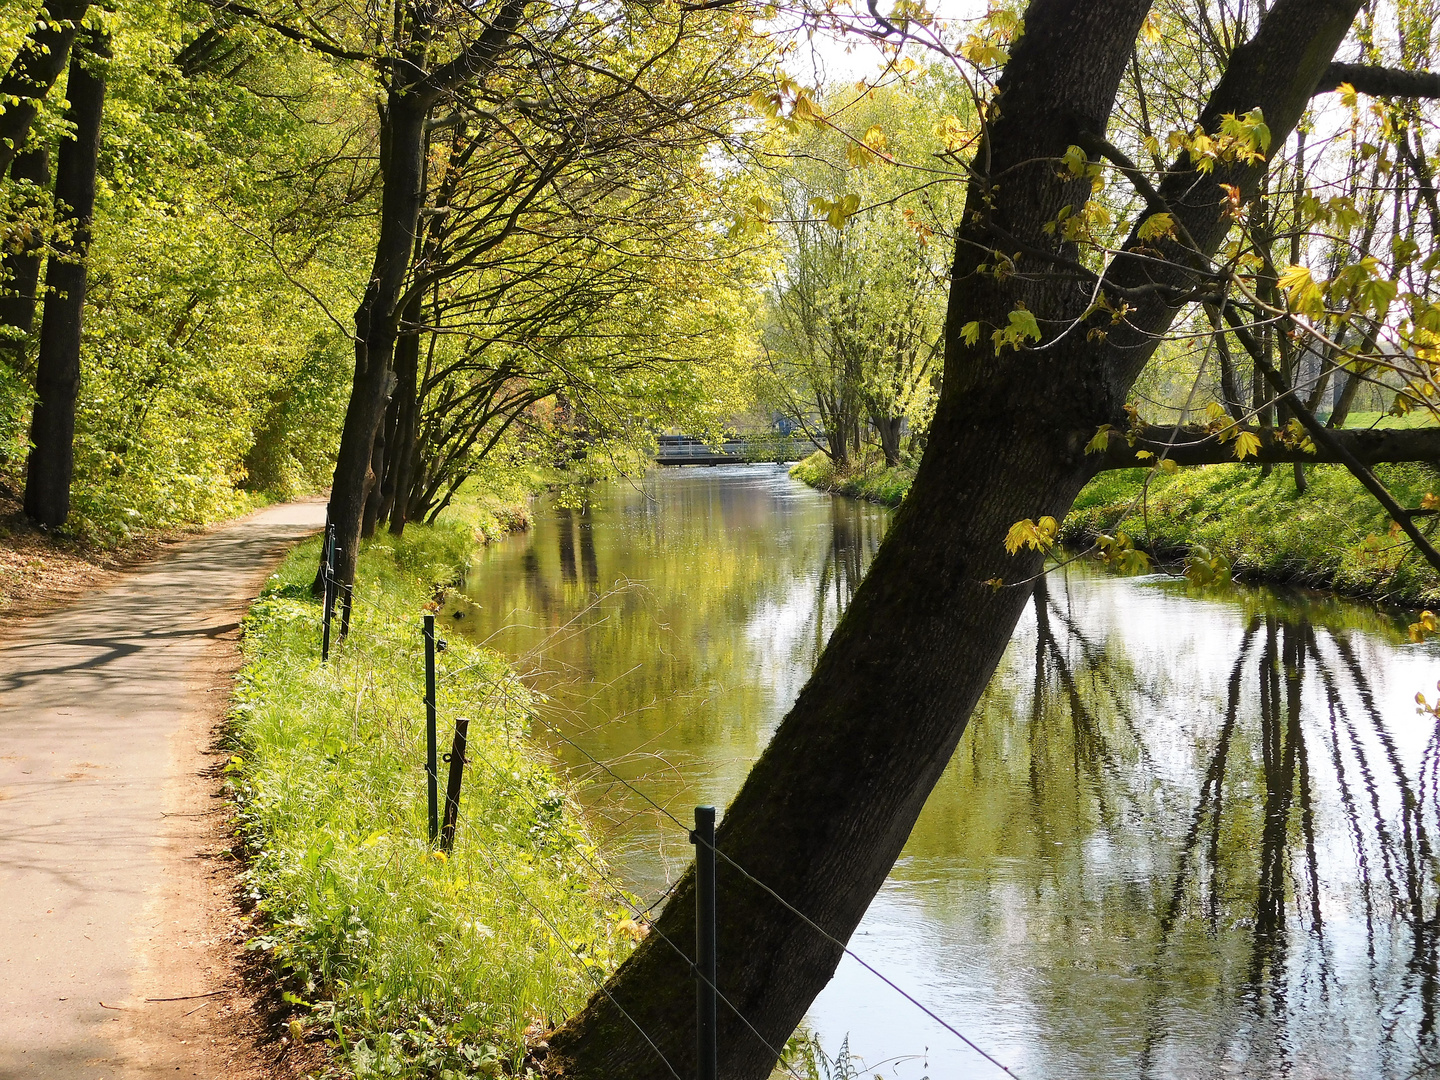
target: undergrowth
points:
(410, 964)
(1335, 535)
(871, 480)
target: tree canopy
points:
(252, 249)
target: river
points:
(1185, 835)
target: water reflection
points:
(1184, 835)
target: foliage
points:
(857, 303)
(413, 964)
(803, 1056)
(205, 371)
(576, 284)
(1233, 516)
(871, 479)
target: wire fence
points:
(423, 622)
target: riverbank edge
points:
(870, 482)
(1333, 537)
(333, 837)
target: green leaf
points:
(1101, 442)
(1021, 327)
(1156, 226)
(1247, 444)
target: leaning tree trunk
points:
(1345, 400)
(34, 70)
(412, 95)
(376, 323)
(57, 367)
(831, 802)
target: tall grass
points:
(871, 480)
(410, 963)
(1335, 535)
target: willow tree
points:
(1046, 332)
(858, 301)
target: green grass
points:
(1415, 418)
(409, 964)
(1334, 536)
(871, 480)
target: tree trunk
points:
(407, 408)
(411, 95)
(57, 367)
(22, 267)
(1346, 398)
(376, 322)
(374, 482)
(888, 429)
(390, 432)
(831, 802)
(33, 72)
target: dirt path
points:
(115, 883)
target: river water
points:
(1184, 835)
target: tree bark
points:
(1381, 81)
(33, 72)
(376, 321)
(377, 473)
(411, 97)
(407, 371)
(831, 802)
(57, 366)
(390, 433)
(1345, 400)
(22, 266)
(888, 430)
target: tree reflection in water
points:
(1300, 741)
(1184, 835)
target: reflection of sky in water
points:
(1146, 859)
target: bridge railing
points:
(688, 450)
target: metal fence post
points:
(329, 595)
(706, 1037)
(456, 758)
(431, 769)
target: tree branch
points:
(1327, 440)
(1192, 444)
(1381, 81)
(300, 37)
(480, 55)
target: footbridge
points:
(689, 450)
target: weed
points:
(410, 963)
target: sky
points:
(828, 59)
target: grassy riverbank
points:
(1333, 536)
(409, 964)
(872, 481)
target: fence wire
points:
(410, 620)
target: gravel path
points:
(108, 810)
